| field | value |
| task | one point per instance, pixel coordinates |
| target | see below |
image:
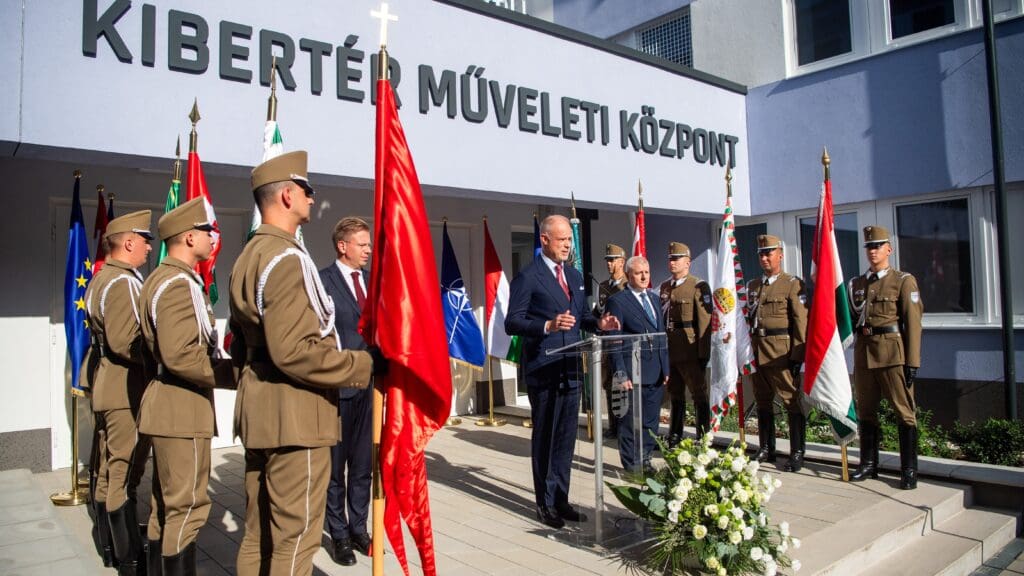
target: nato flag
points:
(465, 340)
(77, 273)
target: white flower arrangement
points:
(709, 509)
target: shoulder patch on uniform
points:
(915, 297)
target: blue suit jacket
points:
(631, 315)
(346, 314)
(535, 297)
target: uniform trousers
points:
(100, 438)
(687, 376)
(285, 493)
(181, 502)
(776, 379)
(124, 454)
(871, 384)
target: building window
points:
(847, 239)
(1015, 205)
(822, 29)
(934, 242)
(669, 39)
(908, 17)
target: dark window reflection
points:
(912, 16)
(935, 246)
(746, 243)
(822, 29)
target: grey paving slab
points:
(482, 506)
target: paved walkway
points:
(482, 507)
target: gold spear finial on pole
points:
(572, 199)
(728, 181)
(826, 162)
(78, 174)
(272, 100)
(194, 116)
(640, 194)
(177, 160)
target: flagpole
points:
(739, 378)
(490, 420)
(78, 495)
(826, 165)
(272, 99)
(588, 389)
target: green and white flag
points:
(829, 329)
(273, 146)
(173, 199)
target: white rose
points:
(686, 483)
(797, 565)
(737, 512)
(756, 553)
(783, 546)
(684, 458)
(712, 453)
(777, 483)
(675, 505)
(736, 486)
(748, 533)
(762, 519)
(771, 569)
(724, 493)
(725, 474)
(700, 473)
(703, 459)
(680, 493)
(742, 496)
(795, 542)
(723, 522)
(712, 563)
(673, 517)
(752, 467)
(736, 466)
(735, 537)
(784, 528)
(722, 571)
(711, 510)
(700, 531)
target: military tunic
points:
(286, 411)
(118, 381)
(888, 309)
(778, 324)
(177, 409)
(606, 290)
(687, 307)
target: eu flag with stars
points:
(465, 340)
(77, 273)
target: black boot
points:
(703, 418)
(182, 563)
(908, 457)
(868, 467)
(675, 422)
(154, 561)
(124, 529)
(797, 442)
(766, 436)
(103, 534)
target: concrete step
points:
(956, 547)
(881, 529)
(1007, 562)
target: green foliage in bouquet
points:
(709, 512)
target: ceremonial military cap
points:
(678, 250)
(611, 252)
(189, 216)
(137, 222)
(767, 243)
(875, 236)
(290, 166)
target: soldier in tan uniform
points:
(686, 302)
(615, 260)
(778, 324)
(177, 409)
(118, 383)
(286, 412)
(887, 354)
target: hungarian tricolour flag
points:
(403, 317)
(639, 228)
(731, 350)
(499, 344)
(830, 329)
(196, 188)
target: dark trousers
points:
(348, 493)
(554, 408)
(651, 396)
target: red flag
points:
(640, 234)
(104, 214)
(403, 317)
(196, 188)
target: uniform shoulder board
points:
(795, 279)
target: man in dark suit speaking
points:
(638, 314)
(547, 308)
(348, 493)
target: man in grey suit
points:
(348, 493)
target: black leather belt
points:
(257, 355)
(771, 332)
(878, 330)
(672, 325)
